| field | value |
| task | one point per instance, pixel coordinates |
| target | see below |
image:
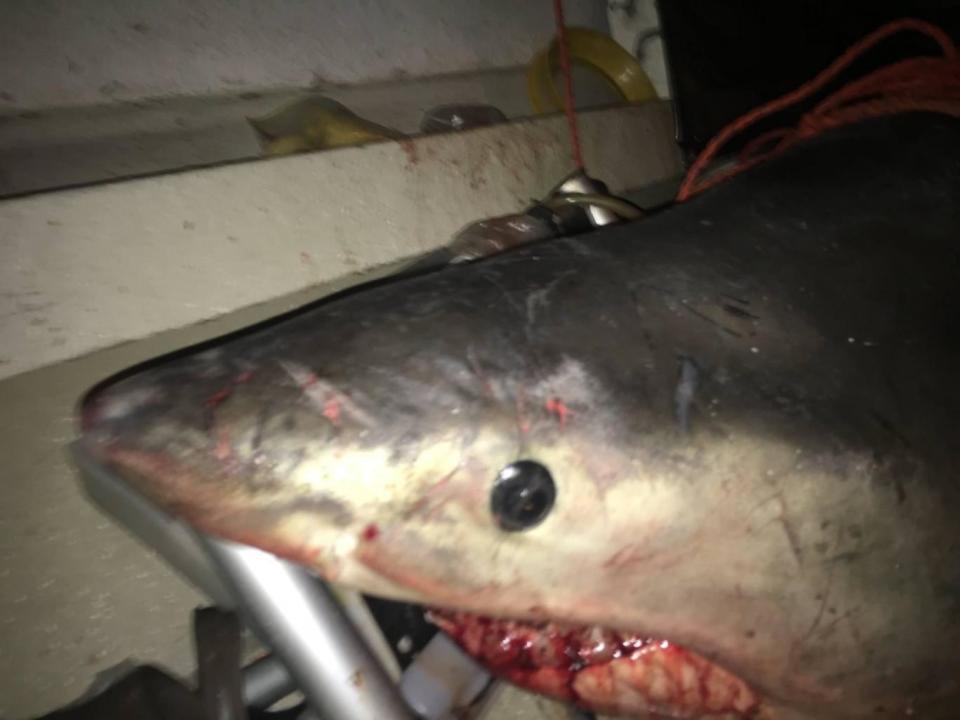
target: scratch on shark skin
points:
(520, 403)
(780, 518)
(475, 367)
(262, 415)
(430, 505)
(325, 396)
(738, 312)
(540, 298)
(686, 389)
(789, 531)
(846, 617)
(493, 280)
(824, 596)
(710, 320)
(690, 308)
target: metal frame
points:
(316, 648)
(298, 617)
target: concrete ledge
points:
(88, 268)
(68, 147)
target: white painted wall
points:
(85, 52)
(84, 269)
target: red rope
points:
(567, 84)
(929, 84)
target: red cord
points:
(929, 84)
(567, 84)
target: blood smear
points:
(602, 670)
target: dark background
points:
(728, 56)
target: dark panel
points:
(728, 56)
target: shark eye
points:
(522, 496)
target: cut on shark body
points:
(602, 670)
(701, 466)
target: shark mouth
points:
(600, 670)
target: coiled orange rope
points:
(930, 84)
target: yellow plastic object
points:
(316, 123)
(599, 52)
